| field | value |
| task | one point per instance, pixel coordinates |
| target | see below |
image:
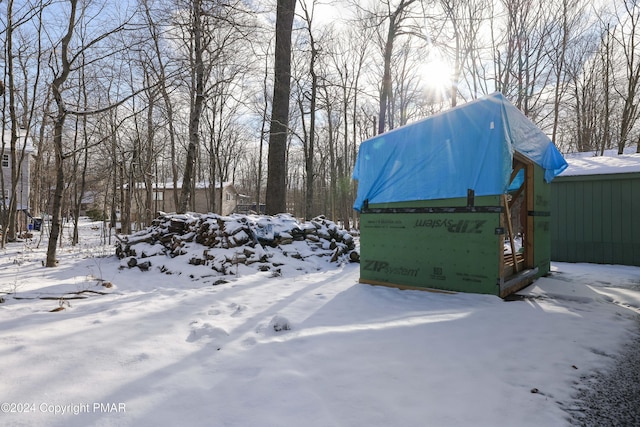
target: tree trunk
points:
(79, 193)
(276, 197)
(126, 196)
(395, 22)
(309, 139)
(559, 68)
(261, 148)
(147, 165)
(629, 45)
(606, 63)
(196, 108)
(309, 196)
(113, 217)
(10, 219)
(385, 92)
(58, 125)
(162, 84)
(83, 183)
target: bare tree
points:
(587, 101)
(523, 67)
(263, 124)
(569, 19)
(307, 103)
(214, 30)
(21, 106)
(197, 100)
(68, 57)
(395, 18)
(193, 122)
(602, 134)
(223, 144)
(61, 115)
(276, 175)
(627, 40)
(327, 94)
(159, 64)
(407, 100)
(463, 42)
(81, 154)
(348, 62)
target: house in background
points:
(23, 185)
(247, 206)
(90, 200)
(201, 202)
(595, 206)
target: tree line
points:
(124, 98)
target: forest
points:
(115, 100)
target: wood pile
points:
(224, 242)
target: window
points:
(158, 195)
(228, 197)
(5, 160)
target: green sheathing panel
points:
(596, 219)
(442, 250)
(541, 213)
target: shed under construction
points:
(458, 201)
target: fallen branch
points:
(65, 298)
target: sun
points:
(437, 75)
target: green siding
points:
(595, 219)
(626, 239)
(451, 251)
(634, 227)
(590, 230)
(457, 251)
(541, 223)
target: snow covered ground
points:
(307, 348)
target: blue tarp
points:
(441, 157)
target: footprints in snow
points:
(208, 331)
(201, 330)
(135, 359)
(236, 310)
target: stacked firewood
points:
(223, 242)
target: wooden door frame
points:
(521, 162)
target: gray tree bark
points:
(276, 196)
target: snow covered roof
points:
(6, 141)
(198, 185)
(601, 165)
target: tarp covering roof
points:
(441, 157)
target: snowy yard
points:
(310, 347)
